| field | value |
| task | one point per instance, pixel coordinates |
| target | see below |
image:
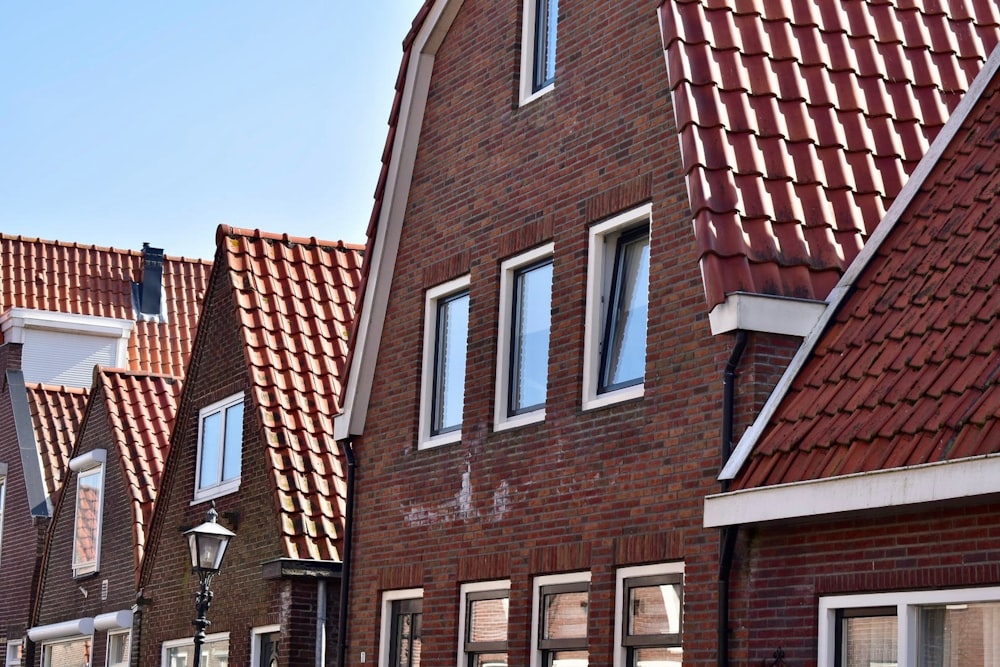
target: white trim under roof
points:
(14, 321)
(898, 487)
(744, 311)
(389, 225)
(844, 286)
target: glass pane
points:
(268, 650)
(624, 359)
(67, 654)
(88, 502)
(489, 660)
(568, 658)
(655, 657)
(233, 447)
(870, 641)
(406, 634)
(449, 368)
(488, 620)
(546, 24)
(566, 615)
(959, 635)
(211, 436)
(530, 343)
(654, 610)
(118, 649)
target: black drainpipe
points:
(727, 542)
(345, 570)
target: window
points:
(911, 629)
(559, 620)
(180, 652)
(67, 653)
(649, 604)
(523, 338)
(15, 653)
(538, 52)
(446, 333)
(118, 648)
(89, 469)
(3, 496)
(483, 620)
(402, 614)
(220, 448)
(264, 646)
(617, 298)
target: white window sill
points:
(438, 440)
(612, 397)
(517, 421)
(541, 92)
(219, 490)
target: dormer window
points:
(220, 448)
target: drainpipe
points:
(320, 622)
(727, 541)
(345, 570)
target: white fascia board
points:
(390, 223)
(898, 487)
(743, 311)
(846, 282)
(13, 322)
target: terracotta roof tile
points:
(141, 410)
(908, 372)
(863, 86)
(56, 414)
(296, 301)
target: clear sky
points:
(123, 122)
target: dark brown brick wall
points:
(594, 490)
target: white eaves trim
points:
(844, 286)
(382, 261)
(743, 311)
(896, 487)
(13, 323)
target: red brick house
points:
(254, 437)
(98, 534)
(63, 309)
(865, 491)
(536, 388)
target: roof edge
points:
(39, 501)
(764, 313)
(846, 283)
(299, 568)
(226, 230)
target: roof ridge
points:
(136, 373)
(56, 387)
(228, 230)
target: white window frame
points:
(536, 601)
(600, 269)
(86, 464)
(128, 643)
(189, 641)
(255, 635)
(621, 576)
(476, 587)
(223, 487)
(431, 300)
(907, 604)
(66, 640)
(527, 94)
(508, 272)
(385, 630)
(15, 651)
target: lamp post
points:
(207, 544)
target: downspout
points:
(345, 571)
(727, 541)
(320, 622)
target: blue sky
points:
(131, 122)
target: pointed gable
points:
(296, 301)
(800, 122)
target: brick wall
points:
(594, 490)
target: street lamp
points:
(207, 544)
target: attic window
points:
(149, 299)
(220, 448)
(89, 509)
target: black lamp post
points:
(207, 544)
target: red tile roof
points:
(56, 414)
(296, 299)
(799, 123)
(907, 372)
(91, 280)
(141, 411)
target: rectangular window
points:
(934, 628)
(538, 53)
(617, 302)
(559, 613)
(88, 511)
(446, 333)
(118, 648)
(220, 448)
(483, 622)
(15, 653)
(264, 650)
(523, 340)
(67, 653)
(402, 614)
(180, 652)
(649, 610)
